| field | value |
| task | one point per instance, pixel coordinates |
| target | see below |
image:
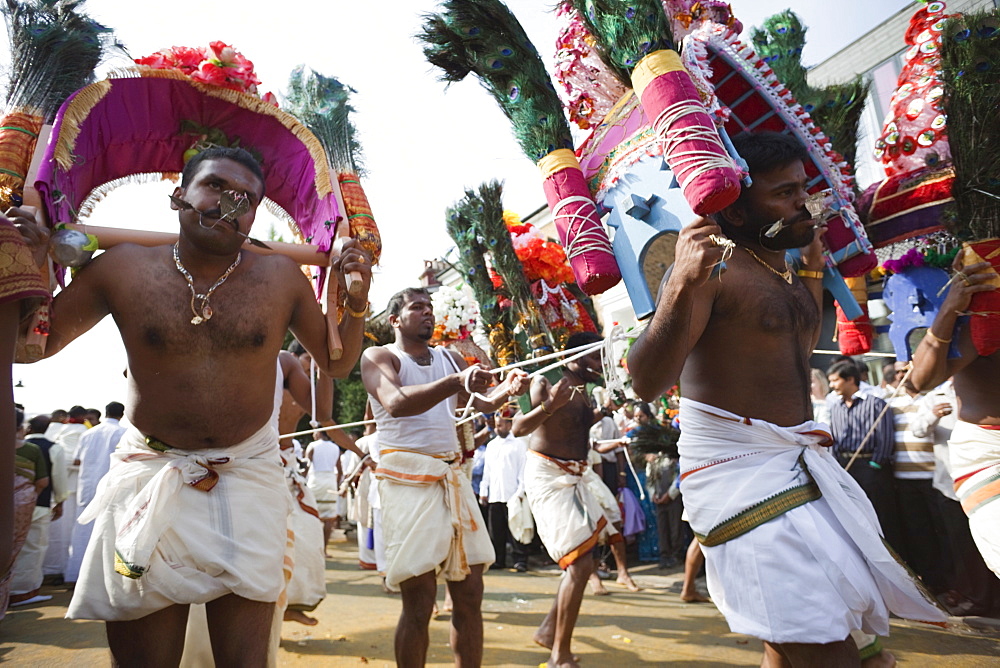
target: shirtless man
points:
(740, 347)
(559, 423)
(431, 520)
(974, 446)
(201, 398)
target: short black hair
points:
(59, 414)
(18, 416)
(765, 151)
(846, 369)
(581, 339)
(397, 300)
(115, 410)
(78, 412)
(645, 409)
(38, 424)
(240, 155)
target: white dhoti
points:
(975, 465)
(61, 535)
(77, 548)
(568, 513)
(307, 586)
(27, 571)
(326, 489)
(430, 518)
(793, 548)
(184, 526)
(605, 497)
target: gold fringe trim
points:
(73, 117)
(655, 65)
(558, 160)
(79, 109)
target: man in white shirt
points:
(324, 481)
(922, 527)
(67, 440)
(502, 477)
(94, 456)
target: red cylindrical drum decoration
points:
(692, 147)
(581, 233)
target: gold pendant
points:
(207, 312)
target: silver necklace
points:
(200, 307)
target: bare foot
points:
(386, 589)
(695, 597)
(300, 617)
(626, 581)
(571, 662)
(599, 590)
(883, 659)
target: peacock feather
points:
(836, 108)
(492, 229)
(970, 70)
(484, 38)
(55, 49)
(626, 31)
(323, 105)
(460, 223)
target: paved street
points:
(357, 622)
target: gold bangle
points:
(544, 410)
(805, 273)
(358, 314)
(936, 337)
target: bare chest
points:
(156, 313)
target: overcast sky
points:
(423, 144)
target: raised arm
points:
(312, 328)
(380, 374)
(683, 308)
(546, 399)
(811, 275)
(299, 386)
(931, 365)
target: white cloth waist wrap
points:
(567, 511)
(184, 526)
(307, 586)
(793, 545)
(430, 518)
(975, 466)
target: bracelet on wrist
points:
(805, 273)
(544, 409)
(937, 338)
(360, 315)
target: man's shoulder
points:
(29, 449)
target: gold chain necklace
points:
(200, 307)
(785, 275)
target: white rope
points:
(837, 352)
(671, 137)
(589, 235)
(346, 425)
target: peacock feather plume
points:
(836, 108)
(323, 105)
(626, 31)
(482, 37)
(460, 223)
(970, 70)
(492, 229)
(55, 49)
